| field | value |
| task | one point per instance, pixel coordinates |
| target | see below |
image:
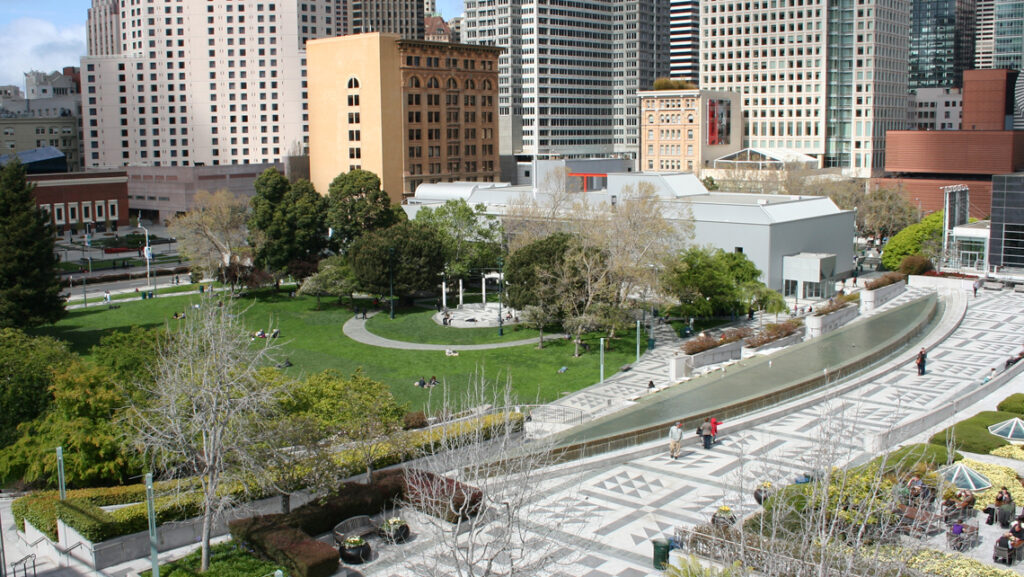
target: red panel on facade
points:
(954, 151)
(927, 193)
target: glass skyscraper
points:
(942, 36)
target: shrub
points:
(902, 460)
(884, 280)
(1012, 404)
(704, 341)
(301, 554)
(774, 332)
(414, 420)
(915, 264)
(972, 434)
(443, 497)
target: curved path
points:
(355, 329)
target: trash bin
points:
(201, 289)
(145, 295)
(152, 294)
(660, 553)
(650, 344)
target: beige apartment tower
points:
(410, 111)
(684, 130)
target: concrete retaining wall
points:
(871, 300)
(940, 283)
(135, 546)
(681, 366)
(820, 325)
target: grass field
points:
(313, 341)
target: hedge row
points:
(972, 434)
(86, 517)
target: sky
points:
(50, 34)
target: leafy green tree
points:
(288, 224)
(127, 355)
(83, 420)
(334, 278)
(702, 281)
(709, 183)
(356, 206)
(357, 411)
(921, 238)
(526, 278)
(471, 238)
(29, 285)
(213, 235)
(411, 249)
(880, 213)
(26, 373)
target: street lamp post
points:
(148, 252)
(391, 278)
(501, 319)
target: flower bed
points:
(774, 332)
(949, 274)
(835, 304)
(884, 280)
(705, 342)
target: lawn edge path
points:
(355, 329)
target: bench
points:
(1019, 288)
(992, 286)
(360, 526)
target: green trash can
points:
(650, 344)
(201, 289)
(145, 295)
(660, 553)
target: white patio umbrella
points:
(964, 477)
(1011, 430)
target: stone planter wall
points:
(940, 283)
(820, 325)
(136, 546)
(871, 300)
(792, 339)
(682, 365)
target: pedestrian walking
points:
(922, 358)
(714, 429)
(976, 286)
(675, 440)
(650, 385)
(106, 297)
(705, 433)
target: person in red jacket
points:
(714, 429)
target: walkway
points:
(355, 329)
(607, 509)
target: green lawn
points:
(312, 340)
(417, 325)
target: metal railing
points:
(23, 565)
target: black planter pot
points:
(720, 520)
(761, 494)
(355, 555)
(398, 535)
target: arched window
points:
(353, 82)
(487, 85)
(470, 85)
(452, 84)
(433, 83)
(414, 82)
(689, 118)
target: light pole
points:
(501, 320)
(148, 252)
(391, 278)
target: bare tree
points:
(201, 414)
(483, 488)
(213, 233)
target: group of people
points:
(707, 431)
(922, 358)
(424, 384)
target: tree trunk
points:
(540, 341)
(369, 472)
(317, 301)
(204, 563)
(286, 503)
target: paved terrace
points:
(628, 497)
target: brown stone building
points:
(920, 163)
(409, 111)
(83, 202)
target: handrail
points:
(23, 562)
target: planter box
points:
(797, 337)
(136, 546)
(820, 325)
(871, 300)
(940, 283)
(682, 365)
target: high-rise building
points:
(825, 79)
(207, 82)
(685, 40)
(402, 17)
(410, 111)
(430, 7)
(1008, 42)
(569, 75)
(941, 42)
(985, 33)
